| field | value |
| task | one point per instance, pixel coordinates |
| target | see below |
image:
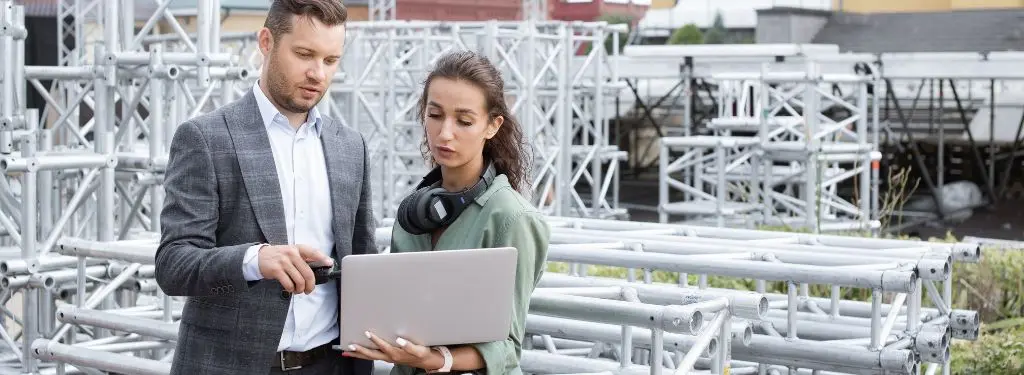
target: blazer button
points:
(285, 295)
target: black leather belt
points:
(287, 361)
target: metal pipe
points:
(826, 354)
(743, 304)
(52, 280)
(574, 329)
(173, 58)
(142, 252)
(535, 361)
(56, 162)
(669, 245)
(53, 351)
(132, 346)
(717, 245)
(962, 251)
(889, 281)
(63, 73)
(678, 319)
(49, 262)
(146, 327)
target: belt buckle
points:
(284, 365)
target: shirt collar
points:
(500, 182)
(268, 111)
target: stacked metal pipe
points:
(580, 323)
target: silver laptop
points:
(444, 297)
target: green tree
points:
(717, 34)
(688, 34)
(614, 19)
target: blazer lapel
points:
(334, 156)
(258, 168)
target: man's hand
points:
(288, 264)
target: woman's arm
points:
(528, 232)
(464, 358)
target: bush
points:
(995, 353)
(689, 34)
(993, 286)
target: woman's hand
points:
(406, 353)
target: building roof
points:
(246, 4)
(224, 4)
(956, 31)
(144, 9)
(736, 14)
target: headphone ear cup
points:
(421, 217)
(405, 212)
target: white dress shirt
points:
(302, 172)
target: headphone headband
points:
(433, 178)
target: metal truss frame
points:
(386, 64)
(708, 161)
(383, 10)
(381, 78)
(788, 154)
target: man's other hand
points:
(289, 265)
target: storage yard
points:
(677, 165)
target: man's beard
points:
(279, 90)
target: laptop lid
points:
(444, 297)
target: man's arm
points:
(365, 228)
(188, 263)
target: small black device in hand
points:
(325, 273)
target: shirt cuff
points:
(251, 263)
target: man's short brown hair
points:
(279, 20)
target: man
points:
(255, 191)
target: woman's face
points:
(456, 123)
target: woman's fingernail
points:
(400, 341)
(367, 333)
(352, 348)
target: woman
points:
(476, 148)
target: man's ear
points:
(494, 126)
(266, 41)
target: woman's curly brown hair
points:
(507, 149)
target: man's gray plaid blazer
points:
(222, 196)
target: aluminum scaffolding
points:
(730, 96)
(559, 98)
(383, 10)
(81, 194)
(774, 155)
(556, 94)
